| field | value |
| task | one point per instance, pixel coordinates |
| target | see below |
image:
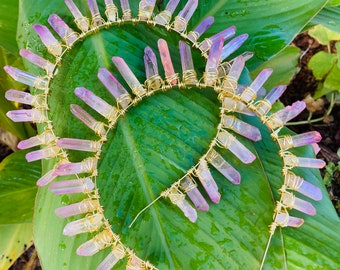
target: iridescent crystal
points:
(238, 149)
(181, 21)
(311, 163)
(242, 128)
(189, 74)
(84, 225)
(126, 9)
(164, 17)
(26, 78)
(88, 165)
(43, 138)
(145, 9)
(37, 60)
(290, 201)
(97, 243)
(47, 178)
(62, 29)
(166, 61)
(230, 78)
(48, 152)
(52, 44)
(150, 63)
(130, 78)
(115, 88)
(85, 206)
(265, 105)
(200, 29)
(111, 11)
(117, 253)
(225, 34)
(80, 185)
(31, 115)
(178, 199)
(20, 96)
(233, 45)
(80, 145)
(211, 71)
(236, 68)
(283, 220)
(283, 116)
(288, 141)
(97, 20)
(190, 188)
(81, 21)
(231, 105)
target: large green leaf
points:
(328, 17)
(8, 25)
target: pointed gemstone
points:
(150, 63)
(166, 61)
(225, 34)
(45, 153)
(189, 73)
(236, 68)
(208, 182)
(265, 105)
(231, 105)
(20, 96)
(292, 161)
(85, 206)
(242, 128)
(32, 115)
(81, 21)
(126, 9)
(80, 145)
(228, 141)
(145, 9)
(290, 201)
(306, 138)
(224, 167)
(63, 30)
(115, 88)
(80, 185)
(164, 17)
(44, 138)
(211, 68)
(88, 165)
(26, 78)
(111, 11)
(97, 20)
(316, 148)
(194, 35)
(284, 220)
(84, 225)
(283, 116)
(181, 21)
(47, 178)
(233, 45)
(51, 43)
(38, 61)
(178, 199)
(117, 253)
(97, 243)
(88, 120)
(190, 188)
(230, 81)
(130, 78)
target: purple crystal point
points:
(283, 220)
(290, 112)
(242, 128)
(208, 181)
(290, 201)
(224, 167)
(178, 199)
(19, 96)
(81, 22)
(264, 106)
(44, 153)
(150, 62)
(62, 29)
(189, 74)
(44, 138)
(181, 21)
(115, 88)
(164, 17)
(117, 253)
(97, 243)
(130, 78)
(231, 105)
(32, 115)
(236, 68)
(37, 60)
(97, 20)
(211, 71)
(225, 34)
(111, 11)
(200, 29)
(194, 194)
(78, 144)
(166, 61)
(126, 9)
(233, 45)
(85, 206)
(80, 185)
(230, 81)
(145, 9)
(238, 149)
(87, 224)
(88, 165)
(47, 178)
(50, 42)
(288, 141)
(26, 78)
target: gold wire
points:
(229, 85)
(175, 195)
(127, 14)
(139, 91)
(189, 77)
(79, 21)
(182, 22)
(210, 78)
(111, 9)
(70, 35)
(97, 20)
(153, 83)
(191, 186)
(263, 106)
(124, 98)
(290, 161)
(165, 16)
(285, 142)
(292, 181)
(248, 94)
(173, 77)
(193, 36)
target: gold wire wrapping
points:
(273, 122)
(97, 20)
(248, 94)
(71, 34)
(153, 83)
(165, 16)
(289, 160)
(174, 194)
(89, 165)
(111, 9)
(193, 36)
(189, 77)
(192, 185)
(41, 84)
(288, 200)
(229, 85)
(88, 205)
(292, 181)
(139, 91)
(263, 106)
(124, 99)
(80, 21)
(229, 139)
(285, 142)
(127, 14)
(180, 24)
(173, 77)
(210, 78)
(53, 48)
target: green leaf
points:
(323, 35)
(333, 3)
(321, 91)
(332, 81)
(321, 63)
(328, 17)
(337, 47)
(8, 25)
(17, 188)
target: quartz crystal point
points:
(292, 161)
(225, 34)
(306, 138)
(37, 60)
(228, 141)
(242, 128)
(88, 165)
(231, 105)
(233, 45)
(249, 92)
(211, 71)
(290, 201)
(44, 138)
(115, 88)
(164, 17)
(265, 105)
(96, 103)
(284, 220)
(47, 178)
(88, 120)
(126, 9)
(150, 63)
(136, 87)
(230, 81)
(62, 29)
(111, 11)
(81, 21)
(117, 253)
(21, 97)
(45, 153)
(189, 74)
(224, 167)
(80, 185)
(194, 35)
(208, 182)
(97, 20)
(97, 243)
(80, 145)
(26, 78)
(31, 115)
(85, 206)
(145, 9)
(50, 42)
(178, 199)
(194, 194)
(166, 61)
(181, 21)
(87, 224)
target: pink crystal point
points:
(115, 88)
(236, 68)
(97, 243)
(78, 144)
(211, 71)
(290, 112)
(181, 21)
(233, 45)
(62, 29)
(44, 153)
(306, 138)
(25, 78)
(208, 181)
(47, 178)
(311, 163)
(242, 128)
(50, 42)
(283, 220)
(85, 206)
(238, 149)
(130, 78)
(31, 115)
(231, 105)
(289, 200)
(145, 9)
(87, 224)
(37, 60)
(150, 62)
(200, 29)
(117, 253)
(166, 61)
(187, 210)
(97, 20)
(80, 185)
(81, 22)
(225, 34)
(164, 17)
(88, 165)
(111, 11)
(194, 194)
(88, 120)
(19, 96)
(126, 9)
(44, 138)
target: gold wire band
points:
(285, 142)
(263, 106)
(99, 129)
(174, 194)
(127, 14)
(290, 161)
(180, 24)
(273, 122)
(173, 77)
(229, 85)
(153, 83)
(88, 205)
(97, 20)
(71, 34)
(211, 155)
(288, 200)
(80, 21)
(111, 9)
(223, 69)
(165, 16)
(248, 94)
(232, 123)
(210, 78)
(292, 181)
(139, 90)
(229, 139)
(189, 76)
(89, 165)
(193, 36)
(144, 14)
(113, 115)
(205, 45)
(124, 98)
(53, 48)
(191, 186)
